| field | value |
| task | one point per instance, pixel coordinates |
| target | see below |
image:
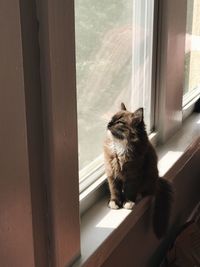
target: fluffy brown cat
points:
(131, 167)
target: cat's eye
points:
(120, 122)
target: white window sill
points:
(102, 229)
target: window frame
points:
(168, 111)
(51, 46)
(167, 82)
(95, 170)
(44, 161)
(170, 67)
(58, 83)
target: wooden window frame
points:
(57, 54)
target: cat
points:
(131, 167)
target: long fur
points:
(131, 167)
(162, 206)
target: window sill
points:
(103, 229)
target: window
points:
(43, 155)
(192, 52)
(114, 44)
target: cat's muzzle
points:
(110, 124)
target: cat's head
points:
(125, 124)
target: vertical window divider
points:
(57, 68)
(170, 70)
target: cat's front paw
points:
(113, 205)
(128, 205)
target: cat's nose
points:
(109, 124)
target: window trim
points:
(91, 173)
(53, 47)
(20, 170)
(170, 67)
(191, 96)
(57, 70)
(57, 74)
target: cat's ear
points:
(123, 106)
(138, 115)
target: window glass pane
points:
(113, 61)
(192, 50)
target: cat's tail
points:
(162, 206)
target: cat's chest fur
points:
(118, 149)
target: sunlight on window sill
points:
(168, 160)
(113, 218)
